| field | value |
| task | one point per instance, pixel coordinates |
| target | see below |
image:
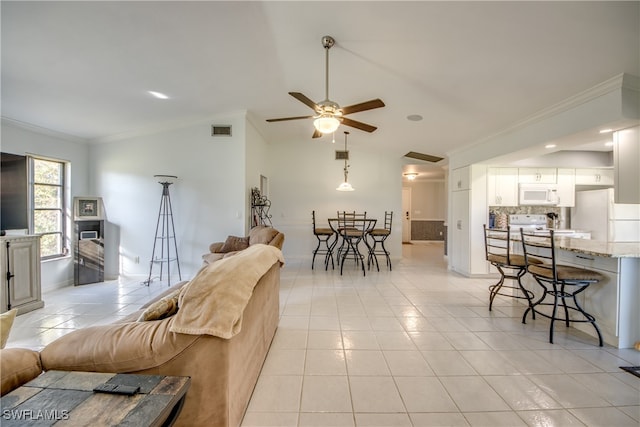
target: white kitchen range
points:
(538, 224)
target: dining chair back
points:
(379, 235)
(497, 247)
(353, 231)
(324, 247)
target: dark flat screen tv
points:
(14, 206)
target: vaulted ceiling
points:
(470, 69)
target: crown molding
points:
(171, 125)
(617, 82)
(43, 131)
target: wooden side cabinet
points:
(20, 273)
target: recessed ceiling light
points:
(606, 130)
(414, 117)
(158, 95)
(550, 146)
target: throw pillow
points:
(161, 309)
(6, 321)
(234, 243)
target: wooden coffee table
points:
(67, 399)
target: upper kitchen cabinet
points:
(595, 176)
(626, 161)
(460, 179)
(567, 187)
(537, 175)
(502, 187)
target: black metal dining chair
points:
(497, 247)
(353, 234)
(324, 235)
(346, 221)
(561, 284)
(378, 236)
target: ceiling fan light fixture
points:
(345, 186)
(326, 124)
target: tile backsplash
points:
(564, 214)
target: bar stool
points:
(323, 235)
(497, 246)
(347, 221)
(379, 235)
(352, 237)
(560, 282)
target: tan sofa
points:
(223, 371)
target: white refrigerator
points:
(596, 212)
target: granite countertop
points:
(599, 248)
(591, 247)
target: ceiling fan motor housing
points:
(328, 107)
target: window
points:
(48, 219)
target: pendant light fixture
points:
(345, 186)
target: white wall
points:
(304, 177)
(428, 200)
(256, 165)
(208, 199)
(22, 139)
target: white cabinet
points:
(460, 241)
(626, 160)
(594, 176)
(20, 263)
(467, 215)
(460, 179)
(537, 175)
(502, 186)
(566, 188)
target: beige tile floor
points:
(413, 347)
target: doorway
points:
(406, 214)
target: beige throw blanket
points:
(213, 302)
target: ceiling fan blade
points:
(363, 106)
(358, 125)
(316, 134)
(289, 118)
(306, 101)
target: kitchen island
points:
(614, 301)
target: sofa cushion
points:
(235, 243)
(212, 257)
(6, 321)
(161, 309)
(262, 234)
(118, 347)
(19, 366)
(163, 294)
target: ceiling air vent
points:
(220, 130)
(425, 157)
(342, 155)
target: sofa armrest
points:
(19, 366)
(215, 247)
(119, 347)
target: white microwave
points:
(538, 194)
